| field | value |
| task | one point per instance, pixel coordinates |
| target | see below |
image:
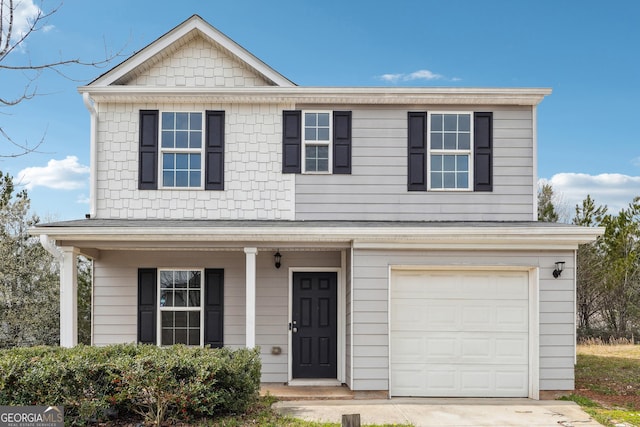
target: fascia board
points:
(333, 95)
(565, 237)
(162, 43)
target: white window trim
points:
(468, 152)
(161, 309)
(162, 151)
(327, 143)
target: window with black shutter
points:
(181, 306)
(450, 151)
(181, 150)
(316, 142)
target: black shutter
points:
(342, 142)
(214, 307)
(214, 151)
(417, 151)
(147, 310)
(483, 151)
(148, 148)
(291, 141)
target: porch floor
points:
(287, 392)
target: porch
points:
(282, 391)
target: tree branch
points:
(24, 149)
(13, 37)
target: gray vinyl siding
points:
(377, 186)
(272, 306)
(370, 309)
(115, 296)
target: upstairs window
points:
(450, 149)
(317, 142)
(181, 150)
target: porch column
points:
(250, 274)
(69, 297)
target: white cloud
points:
(24, 14)
(423, 75)
(416, 75)
(611, 189)
(83, 199)
(393, 78)
(66, 174)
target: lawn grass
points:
(608, 383)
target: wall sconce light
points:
(559, 267)
(277, 258)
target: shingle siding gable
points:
(196, 62)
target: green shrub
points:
(179, 383)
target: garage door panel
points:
(512, 383)
(458, 316)
(442, 347)
(454, 381)
(460, 334)
(417, 315)
(413, 348)
(513, 348)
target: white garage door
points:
(459, 334)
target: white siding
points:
(370, 308)
(348, 320)
(255, 187)
(377, 187)
(115, 296)
(194, 62)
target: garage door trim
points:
(533, 299)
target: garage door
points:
(459, 334)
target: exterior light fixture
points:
(277, 258)
(559, 267)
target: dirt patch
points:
(612, 401)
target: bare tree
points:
(19, 21)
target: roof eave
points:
(559, 237)
(325, 95)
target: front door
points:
(314, 325)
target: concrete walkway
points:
(442, 412)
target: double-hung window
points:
(450, 151)
(316, 141)
(180, 300)
(181, 150)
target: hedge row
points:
(96, 383)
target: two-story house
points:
(384, 238)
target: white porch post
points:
(250, 274)
(69, 297)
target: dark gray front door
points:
(314, 325)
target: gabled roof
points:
(184, 30)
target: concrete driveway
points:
(443, 412)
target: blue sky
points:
(586, 51)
